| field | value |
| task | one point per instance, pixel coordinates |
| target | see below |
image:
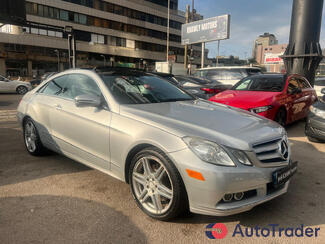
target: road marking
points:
(8, 115)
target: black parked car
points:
(315, 126)
(199, 87)
(37, 81)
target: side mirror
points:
(323, 91)
(87, 100)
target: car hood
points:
(228, 126)
(245, 99)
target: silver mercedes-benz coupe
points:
(177, 152)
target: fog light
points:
(227, 197)
(239, 196)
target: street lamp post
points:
(58, 54)
(168, 18)
(103, 56)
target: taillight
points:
(210, 90)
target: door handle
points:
(57, 106)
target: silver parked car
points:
(175, 151)
(14, 86)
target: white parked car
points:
(14, 86)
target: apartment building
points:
(131, 33)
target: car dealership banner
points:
(273, 58)
(212, 29)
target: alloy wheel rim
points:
(152, 185)
(30, 137)
(21, 90)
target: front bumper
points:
(205, 197)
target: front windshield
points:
(261, 83)
(139, 89)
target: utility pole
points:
(187, 16)
(218, 53)
(168, 19)
(103, 56)
(71, 46)
(202, 55)
(58, 54)
(191, 56)
(304, 52)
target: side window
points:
(80, 84)
(55, 86)
(303, 84)
(236, 74)
(244, 85)
(215, 75)
(293, 84)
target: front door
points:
(5, 85)
(81, 132)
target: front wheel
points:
(21, 90)
(313, 139)
(156, 185)
(281, 117)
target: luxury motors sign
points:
(212, 29)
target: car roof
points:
(265, 75)
(230, 67)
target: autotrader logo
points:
(220, 231)
(216, 231)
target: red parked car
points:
(275, 96)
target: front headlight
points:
(241, 157)
(209, 151)
(318, 112)
(260, 109)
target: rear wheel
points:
(156, 185)
(32, 140)
(21, 90)
(281, 117)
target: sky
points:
(249, 19)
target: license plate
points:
(281, 176)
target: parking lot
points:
(54, 199)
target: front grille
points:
(272, 151)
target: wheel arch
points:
(131, 154)
(20, 86)
(24, 119)
(284, 108)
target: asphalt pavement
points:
(53, 199)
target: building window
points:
(6, 29)
(64, 15)
(120, 42)
(46, 12)
(95, 38)
(104, 23)
(40, 10)
(82, 19)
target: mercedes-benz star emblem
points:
(284, 150)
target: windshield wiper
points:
(177, 100)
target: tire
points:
(313, 139)
(32, 140)
(281, 117)
(21, 90)
(156, 185)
